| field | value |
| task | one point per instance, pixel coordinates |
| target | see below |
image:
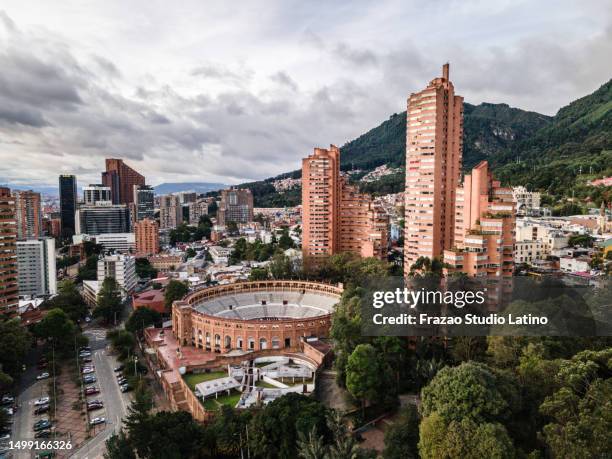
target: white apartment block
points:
(575, 265)
(220, 255)
(526, 201)
(528, 251)
(36, 267)
(122, 268)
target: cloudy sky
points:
(232, 91)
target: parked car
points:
(91, 390)
(119, 368)
(89, 379)
(44, 375)
(43, 424)
(85, 349)
(86, 360)
(85, 354)
(42, 401)
(7, 399)
(96, 421)
(87, 371)
(94, 406)
(126, 388)
(41, 409)
(43, 433)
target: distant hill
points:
(556, 154)
(198, 187)
(44, 190)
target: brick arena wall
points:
(219, 334)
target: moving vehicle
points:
(96, 421)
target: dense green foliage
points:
(175, 290)
(68, 300)
(189, 233)
(141, 318)
(14, 344)
(109, 304)
(58, 330)
(144, 269)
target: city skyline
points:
(74, 94)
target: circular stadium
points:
(254, 316)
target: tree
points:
(402, 437)
(579, 410)
(232, 228)
(175, 290)
(109, 303)
(285, 242)
(466, 348)
(190, 253)
(122, 341)
(69, 300)
(273, 432)
(15, 342)
(463, 439)
(258, 274)
(367, 377)
(311, 446)
(89, 271)
(118, 447)
(56, 327)
(141, 318)
(282, 267)
(144, 270)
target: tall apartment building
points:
(9, 296)
(102, 218)
(147, 237)
(28, 213)
(144, 202)
(197, 210)
(434, 147)
(96, 193)
(122, 268)
(68, 204)
(484, 228)
(526, 201)
(336, 217)
(36, 267)
(236, 206)
(170, 211)
(121, 179)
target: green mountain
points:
(555, 154)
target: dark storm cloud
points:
(21, 116)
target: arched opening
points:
(263, 343)
(207, 339)
(251, 343)
(287, 342)
(239, 342)
(275, 342)
(217, 340)
(228, 342)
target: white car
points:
(84, 354)
(42, 401)
(44, 375)
(87, 371)
(96, 421)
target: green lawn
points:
(213, 404)
(262, 383)
(262, 364)
(195, 378)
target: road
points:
(115, 402)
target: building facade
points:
(122, 268)
(28, 213)
(147, 237)
(336, 217)
(484, 233)
(236, 206)
(101, 219)
(170, 211)
(96, 193)
(197, 210)
(36, 267)
(434, 149)
(144, 202)
(68, 204)
(9, 296)
(526, 202)
(121, 179)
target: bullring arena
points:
(243, 344)
(252, 316)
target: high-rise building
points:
(121, 179)
(9, 296)
(36, 267)
(170, 211)
(197, 210)
(144, 202)
(96, 193)
(484, 233)
(434, 149)
(336, 217)
(147, 237)
(236, 206)
(102, 218)
(122, 268)
(28, 213)
(68, 203)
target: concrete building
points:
(122, 268)
(102, 218)
(68, 204)
(484, 228)
(36, 267)
(529, 251)
(96, 193)
(121, 179)
(144, 202)
(165, 262)
(9, 296)
(170, 211)
(28, 214)
(147, 237)
(434, 149)
(526, 202)
(236, 206)
(579, 264)
(336, 217)
(117, 242)
(197, 210)
(220, 255)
